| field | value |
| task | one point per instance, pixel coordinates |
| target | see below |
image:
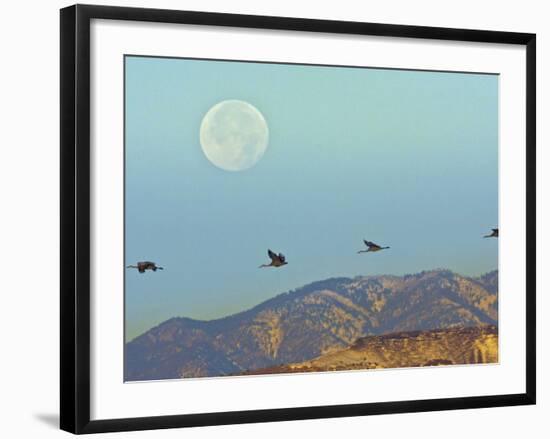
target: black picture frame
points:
(75, 217)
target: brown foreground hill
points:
(438, 347)
(312, 321)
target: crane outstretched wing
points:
(271, 255)
(371, 244)
(282, 257)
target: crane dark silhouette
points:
(142, 267)
(277, 260)
(371, 247)
(494, 234)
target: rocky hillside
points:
(405, 349)
(314, 320)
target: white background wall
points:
(29, 186)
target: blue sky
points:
(407, 159)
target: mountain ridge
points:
(451, 346)
(309, 321)
(299, 290)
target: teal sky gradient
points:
(407, 159)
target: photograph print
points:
(294, 218)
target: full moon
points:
(234, 135)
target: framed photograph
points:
(268, 218)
